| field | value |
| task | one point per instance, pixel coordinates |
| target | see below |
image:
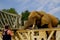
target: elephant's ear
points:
(45, 20)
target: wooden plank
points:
(3, 18)
(6, 18)
(16, 38)
(50, 35)
(9, 13)
(20, 36)
(10, 20)
(2, 23)
(45, 29)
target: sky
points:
(50, 6)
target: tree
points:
(11, 10)
(5, 10)
(59, 21)
(25, 15)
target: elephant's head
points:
(35, 15)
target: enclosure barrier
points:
(9, 18)
(35, 34)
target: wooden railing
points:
(9, 18)
(36, 34)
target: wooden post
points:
(42, 34)
(17, 21)
(32, 35)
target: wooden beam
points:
(6, 18)
(2, 23)
(3, 18)
(9, 13)
(45, 29)
(50, 35)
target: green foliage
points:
(25, 15)
(59, 21)
(11, 10)
(5, 10)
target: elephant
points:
(41, 19)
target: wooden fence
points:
(9, 18)
(36, 34)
